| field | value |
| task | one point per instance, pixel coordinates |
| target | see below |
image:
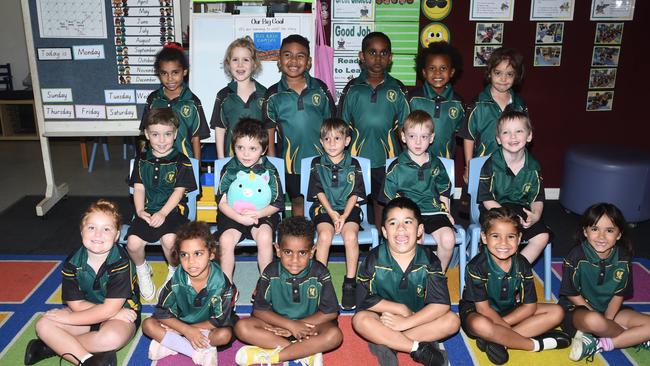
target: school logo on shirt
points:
(170, 177)
(311, 292)
(260, 101)
(315, 99)
(435, 171)
(618, 275)
(526, 188)
(185, 111)
(420, 291)
(391, 95)
(351, 177)
(453, 112)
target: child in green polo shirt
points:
(402, 297)
(499, 304)
(172, 66)
(195, 311)
(296, 107)
(504, 73)
(102, 309)
(596, 278)
(242, 97)
(438, 64)
(160, 178)
(374, 105)
(512, 177)
(295, 307)
(336, 188)
(421, 176)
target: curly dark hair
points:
(195, 230)
(296, 226)
(172, 51)
(440, 48)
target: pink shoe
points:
(205, 356)
(157, 351)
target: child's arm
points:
(534, 214)
(277, 198)
(484, 194)
(387, 306)
(196, 147)
(298, 328)
(427, 314)
(225, 209)
(320, 317)
(349, 205)
(270, 151)
(158, 218)
(219, 137)
(490, 204)
(468, 151)
(269, 119)
(191, 332)
(522, 312)
(92, 315)
(446, 201)
(613, 307)
(138, 202)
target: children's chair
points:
(461, 238)
(474, 228)
(218, 166)
(191, 199)
(368, 234)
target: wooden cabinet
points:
(17, 117)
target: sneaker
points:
(584, 345)
(313, 360)
(101, 359)
(496, 353)
(145, 281)
(248, 355)
(170, 273)
(430, 354)
(645, 345)
(37, 351)
(385, 355)
(205, 356)
(157, 351)
(561, 339)
(349, 299)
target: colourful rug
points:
(32, 285)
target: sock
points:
(535, 345)
(178, 343)
(142, 266)
(86, 357)
(415, 346)
(346, 279)
(605, 343)
(171, 268)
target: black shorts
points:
(435, 222)
(537, 228)
(224, 223)
(141, 229)
(377, 177)
(355, 216)
(292, 183)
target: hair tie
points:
(174, 46)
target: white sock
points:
(415, 346)
(535, 345)
(142, 266)
(86, 357)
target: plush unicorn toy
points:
(249, 191)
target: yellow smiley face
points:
(436, 9)
(434, 32)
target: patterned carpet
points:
(32, 284)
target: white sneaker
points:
(205, 356)
(170, 273)
(157, 351)
(145, 281)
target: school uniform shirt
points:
(497, 182)
(298, 118)
(214, 303)
(229, 172)
(446, 111)
(337, 181)
(229, 108)
(374, 115)
(160, 176)
(115, 279)
(422, 184)
(596, 280)
(482, 118)
(295, 296)
(188, 109)
(381, 278)
(504, 291)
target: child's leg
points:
(535, 247)
(370, 327)
(440, 328)
(546, 317)
(637, 328)
(350, 233)
(263, 237)
(227, 242)
(297, 206)
(220, 336)
(328, 337)
(324, 242)
(484, 328)
(446, 240)
(595, 323)
(135, 246)
(112, 335)
(255, 331)
(167, 243)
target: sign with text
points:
(347, 36)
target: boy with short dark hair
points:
(295, 307)
(296, 106)
(336, 188)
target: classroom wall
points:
(13, 48)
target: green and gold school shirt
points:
(337, 181)
(381, 278)
(116, 279)
(188, 109)
(229, 172)
(596, 280)
(160, 176)
(497, 182)
(422, 184)
(482, 118)
(504, 291)
(298, 118)
(446, 111)
(215, 303)
(229, 108)
(296, 297)
(374, 115)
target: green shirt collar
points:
(500, 272)
(405, 158)
(419, 259)
(592, 255)
(499, 161)
(286, 275)
(150, 156)
(309, 81)
(447, 93)
(347, 160)
(185, 94)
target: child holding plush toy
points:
(250, 196)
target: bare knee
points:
(350, 238)
(149, 326)
(220, 336)
(167, 241)
(242, 328)
(480, 325)
(43, 326)
(112, 338)
(333, 337)
(135, 244)
(450, 324)
(360, 321)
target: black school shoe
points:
(562, 339)
(385, 355)
(101, 359)
(37, 351)
(430, 354)
(349, 299)
(496, 353)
